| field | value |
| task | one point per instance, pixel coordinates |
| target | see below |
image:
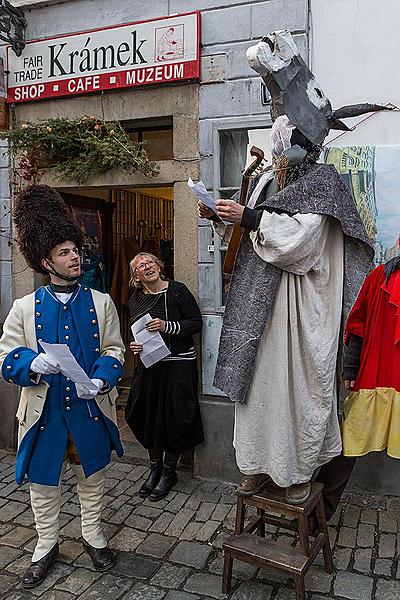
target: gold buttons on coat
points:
(41, 428)
(66, 327)
(67, 337)
(65, 307)
(94, 322)
(9, 367)
(37, 301)
(97, 349)
(96, 418)
(115, 366)
(67, 389)
(67, 398)
(68, 408)
(11, 380)
(16, 355)
(91, 310)
(38, 314)
(39, 327)
(96, 335)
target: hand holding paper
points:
(44, 365)
(84, 393)
(69, 366)
(199, 190)
(154, 348)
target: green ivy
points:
(77, 149)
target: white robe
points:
(288, 426)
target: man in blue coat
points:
(61, 421)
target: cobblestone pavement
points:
(172, 549)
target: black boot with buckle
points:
(37, 571)
(168, 478)
(156, 466)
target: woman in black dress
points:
(163, 408)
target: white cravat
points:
(63, 296)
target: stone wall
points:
(228, 29)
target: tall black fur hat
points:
(43, 220)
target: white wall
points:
(355, 56)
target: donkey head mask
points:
(294, 90)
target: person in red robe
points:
(372, 366)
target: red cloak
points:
(376, 318)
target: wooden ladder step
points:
(257, 550)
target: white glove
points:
(84, 393)
(44, 365)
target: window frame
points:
(262, 121)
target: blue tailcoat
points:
(42, 450)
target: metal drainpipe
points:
(310, 36)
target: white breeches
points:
(45, 502)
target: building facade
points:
(199, 127)
(204, 125)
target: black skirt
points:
(163, 408)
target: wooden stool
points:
(256, 550)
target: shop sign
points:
(154, 52)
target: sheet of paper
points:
(154, 348)
(199, 190)
(69, 366)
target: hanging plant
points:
(77, 149)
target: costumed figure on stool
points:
(60, 421)
(302, 259)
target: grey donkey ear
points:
(355, 110)
(337, 124)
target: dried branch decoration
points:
(77, 149)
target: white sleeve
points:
(224, 231)
(291, 243)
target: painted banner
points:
(373, 176)
(159, 51)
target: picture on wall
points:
(373, 177)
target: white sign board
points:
(153, 52)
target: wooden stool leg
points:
(240, 515)
(261, 524)
(303, 535)
(326, 548)
(227, 574)
(299, 587)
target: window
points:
(232, 143)
(155, 134)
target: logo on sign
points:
(169, 43)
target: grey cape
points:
(255, 282)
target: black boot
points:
(102, 558)
(156, 465)
(37, 571)
(168, 478)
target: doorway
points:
(143, 221)
(117, 224)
